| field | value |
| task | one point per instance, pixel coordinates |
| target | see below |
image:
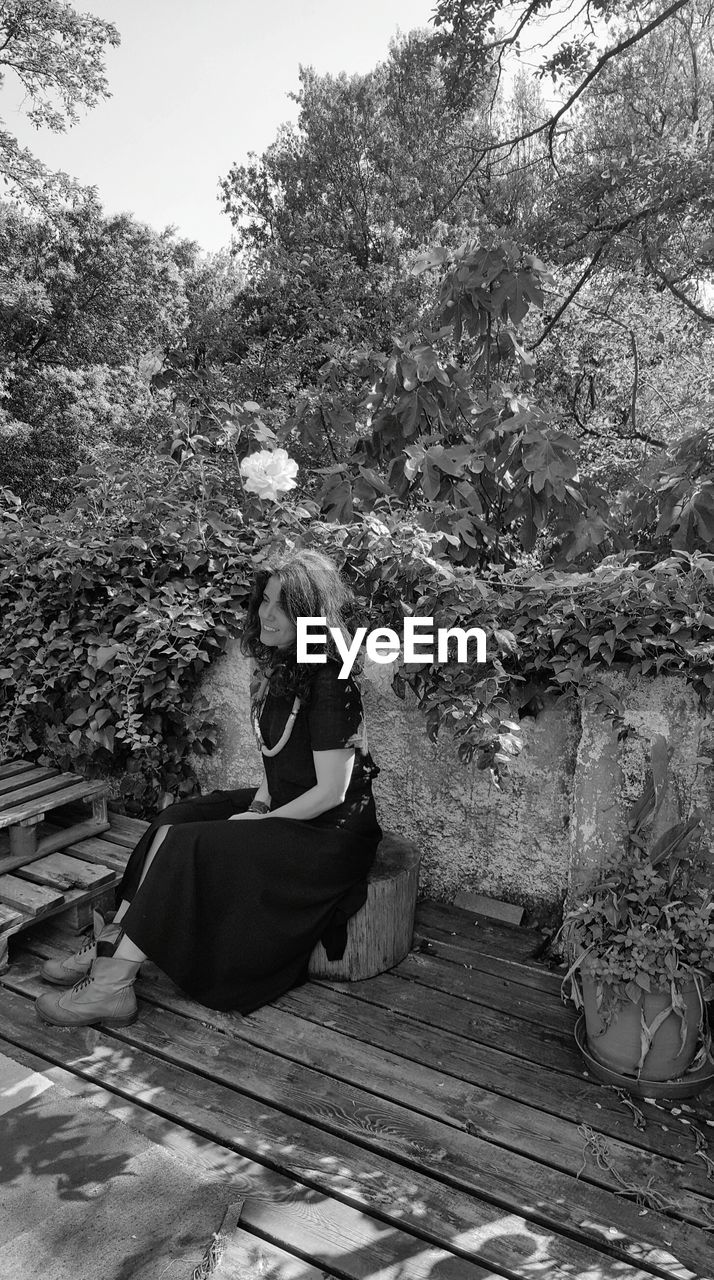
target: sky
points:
(196, 85)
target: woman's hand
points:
(236, 817)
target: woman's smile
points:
(276, 626)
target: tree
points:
(57, 55)
(626, 348)
(364, 170)
(631, 172)
(481, 36)
(103, 287)
(84, 300)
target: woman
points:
(230, 893)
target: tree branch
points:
(573, 292)
(666, 403)
(635, 382)
(677, 293)
(608, 55)
(550, 124)
(662, 206)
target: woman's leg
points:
(127, 951)
(151, 854)
(65, 972)
(106, 994)
(217, 806)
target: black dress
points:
(231, 911)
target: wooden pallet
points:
(47, 868)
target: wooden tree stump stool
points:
(379, 935)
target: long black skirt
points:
(231, 911)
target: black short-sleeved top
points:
(330, 718)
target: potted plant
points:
(640, 946)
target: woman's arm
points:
(262, 796)
(262, 793)
(333, 770)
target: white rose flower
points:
(269, 473)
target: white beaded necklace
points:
(256, 708)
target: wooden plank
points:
(581, 1100)
(308, 1219)
(463, 1156)
(13, 767)
(62, 871)
(20, 780)
(378, 1069)
(30, 809)
(8, 917)
(30, 899)
(430, 940)
(492, 908)
(97, 849)
(247, 1257)
(313, 1226)
(79, 831)
(56, 782)
(242, 1256)
(121, 838)
(569, 1096)
(550, 1048)
(116, 834)
(479, 987)
(48, 843)
(131, 828)
(440, 1210)
(73, 907)
(493, 938)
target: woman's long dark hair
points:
(310, 587)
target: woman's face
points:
(276, 628)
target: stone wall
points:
(562, 807)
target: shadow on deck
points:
(435, 1121)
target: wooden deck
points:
(433, 1122)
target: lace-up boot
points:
(64, 973)
(105, 995)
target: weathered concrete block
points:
(512, 845)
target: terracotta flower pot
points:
(619, 1045)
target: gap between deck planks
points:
(171, 1033)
